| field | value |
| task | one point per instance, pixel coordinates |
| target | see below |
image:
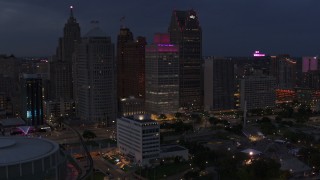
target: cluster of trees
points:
(301, 115)
(295, 137)
(88, 135)
(261, 112)
(266, 126)
(312, 156)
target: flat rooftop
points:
(12, 122)
(141, 118)
(171, 148)
(15, 150)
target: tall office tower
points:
(162, 76)
(71, 35)
(258, 91)
(31, 99)
(186, 32)
(130, 68)
(94, 78)
(283, 68)
(219, 84)
(61, 67)
(125, 36)
(138, 136)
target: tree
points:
(87, 134)
(178, 115)
(278, 119)
(265, 120)
(162, 116)
(213, 120)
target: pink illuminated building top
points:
(309, 64)
(161, 43)
(258, 54)
(161, 38)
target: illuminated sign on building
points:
(258, 54)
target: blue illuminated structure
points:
(32, 107)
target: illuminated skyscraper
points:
(61, 67)
(162, 76)
(31, 88)
(186, 32)
(94, 78)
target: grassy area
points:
(106, 142)
(163, 171)
(98, 176)
(92, 143)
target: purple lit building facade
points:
(309, 64)
(162, 76)
(310, 73)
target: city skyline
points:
(230, 28)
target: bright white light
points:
(192, 16)
(71, 7)
(141, 117)
(250, 153)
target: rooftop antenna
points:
(71, 11)
(122, 20)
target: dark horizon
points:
(230, 28)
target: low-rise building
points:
(171, 151)
(138, 137)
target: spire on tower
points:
(71, 11)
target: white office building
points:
(94, 78)
(138, 137)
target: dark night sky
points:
(230, 27)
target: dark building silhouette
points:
(31, 99)
(186, 32)
(130, 65)
(283, 68)
(71, 34)
(219, 84)
(61, 66)
(130, 72)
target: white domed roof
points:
(96, 32)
